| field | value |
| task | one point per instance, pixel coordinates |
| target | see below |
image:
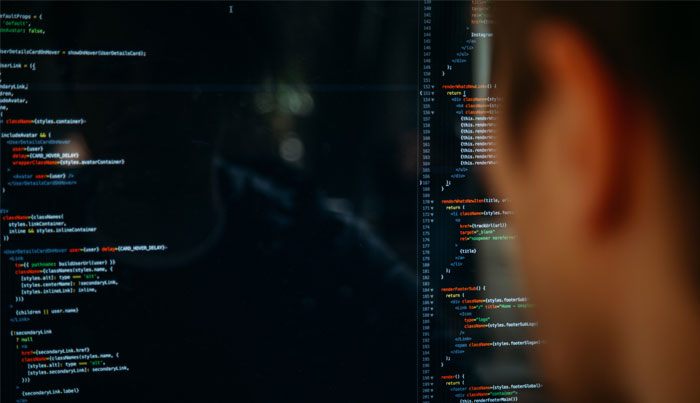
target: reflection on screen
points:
(216, 201)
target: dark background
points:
(306, 291)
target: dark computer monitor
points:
(254, 201)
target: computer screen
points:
(257, 202)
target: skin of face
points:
(589, 181)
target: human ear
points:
(584, 125)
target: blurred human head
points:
(597, 155)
